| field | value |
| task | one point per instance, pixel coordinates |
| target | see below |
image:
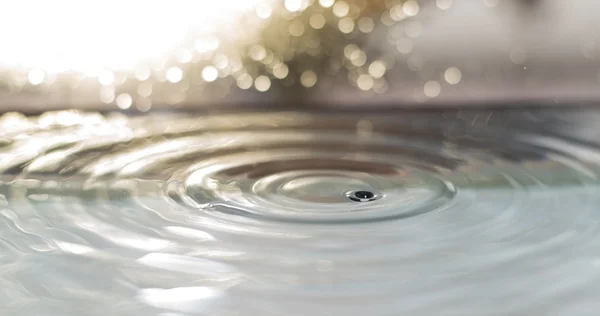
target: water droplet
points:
(257, 52)
(452, 75)
(317, 21)
(346, 25)
(365, 82)
(142, 73)
(326, 3)
(293, 5)
(210, 73)
(341, 9)
(377, 69)
(366, 24)
(36, 76)
(280, 71)
(143, 104)
(308, 78)
(411, 7)
(262, 83)
(444, 4)
(106, 78)
(296, 28)
(107, 94)
(432, 88)
(244, 81)
(124, 101)
(404, 45)
(144, 89)
(396, 13)
(174, 74)
(263, 11)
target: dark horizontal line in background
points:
(512, 106)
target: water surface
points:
(468, 213)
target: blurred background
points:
(142, 55)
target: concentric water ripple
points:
(454, 213)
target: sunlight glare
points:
(90, 36)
